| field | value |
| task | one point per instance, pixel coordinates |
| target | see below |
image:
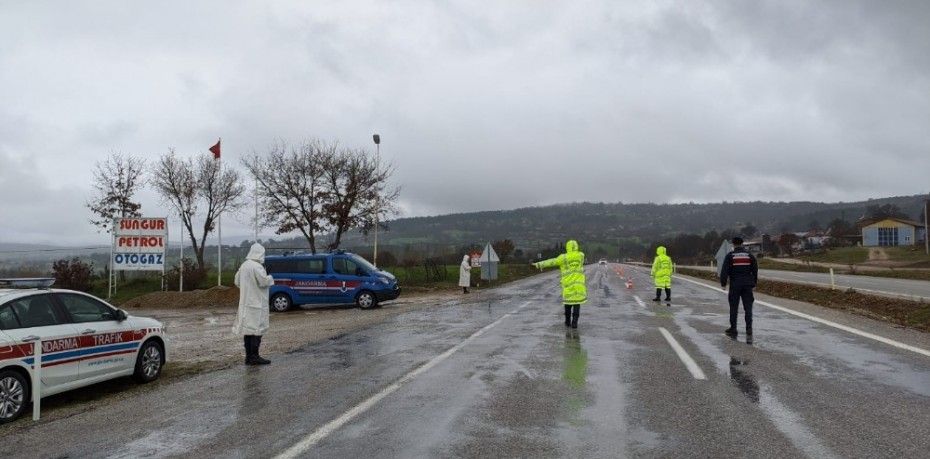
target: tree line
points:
(311, 187)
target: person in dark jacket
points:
(741, 271)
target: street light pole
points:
(377, 139)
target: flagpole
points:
(256, 210)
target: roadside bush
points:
(194, 277)
(73, 274)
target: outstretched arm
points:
(550, 263)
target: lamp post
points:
(377, 139)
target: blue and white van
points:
(331, 278)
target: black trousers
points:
(572, 311)
(668, 293)
(737, 293)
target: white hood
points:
(256, 253)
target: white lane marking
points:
(826, 322)
(690, 364)
(639, 301)
(324, 431)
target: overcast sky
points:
(480, 105)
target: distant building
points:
(886, 232)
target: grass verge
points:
(913, 274)
(766, 263)
(913, 314)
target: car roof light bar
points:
(27, 282)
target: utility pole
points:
(926, 230)
(377, 139)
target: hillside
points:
(599, 222)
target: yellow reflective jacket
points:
(662, 269)
(571, 265)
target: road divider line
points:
(846, 328)
(327, 429)
(639, 301)
(690, 364)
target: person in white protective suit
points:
(465, 274)
(252, 319)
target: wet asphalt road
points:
(525, 386)
(905, 288)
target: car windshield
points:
(364, 264)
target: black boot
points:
(668, 294)
(576, 311)
(731, 332)
(256, 343)
(658, 295)
(247, 342)
(568, 316)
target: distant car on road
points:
(330, 278)
(84, 341)
(603, 261)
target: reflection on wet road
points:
(501, 376)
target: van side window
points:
(8, 320)
(280, 266)
(34, 311)
(346, 267)
(311, 266)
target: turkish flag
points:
(216, 150)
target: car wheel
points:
(14, 395)
(366, 300)
(149, 363)
(281, 302)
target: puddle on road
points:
(787, 421)
(744, 381)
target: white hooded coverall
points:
(253, 283)
(465, 272)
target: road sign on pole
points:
(722, 252)
(489, 261)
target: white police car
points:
(84, 341)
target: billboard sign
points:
(139, 244)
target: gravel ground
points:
(201, 340)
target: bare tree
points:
(317, 187)
(291, 187)
(191, 184)
(356, 192)
(116, 180)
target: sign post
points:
(36, 379)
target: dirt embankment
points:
(216, 297)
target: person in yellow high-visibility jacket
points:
(574, 292)
(662, 274)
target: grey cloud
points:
(509, 105)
